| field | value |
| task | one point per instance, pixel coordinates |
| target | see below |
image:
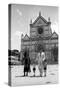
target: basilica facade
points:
(41, 37)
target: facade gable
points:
(26, 37)
(54, 35)
(41, 24)
(39, 21)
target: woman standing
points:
(40, 63)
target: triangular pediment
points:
(54, 35)
(26, 37)
(40, 21)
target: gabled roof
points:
(26, 37)
(40, 20)
(54, 35)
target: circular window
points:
(40, 30)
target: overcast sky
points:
(21, 16)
